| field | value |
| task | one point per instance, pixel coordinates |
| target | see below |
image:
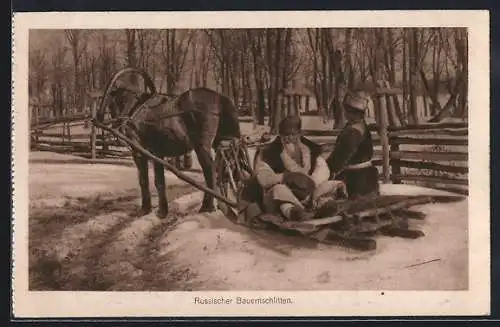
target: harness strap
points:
(127, 118)
(361, 165)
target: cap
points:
(357, 100)
(290, 125)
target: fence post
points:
(93, 132)
(63, 134)
(36, 122)
(384, 137)
(104, 143)
(188, 161)
(35, 108)
(68, 126)
(395, 165)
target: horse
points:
(197, 119)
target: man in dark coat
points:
(292, 175)
(351, 158)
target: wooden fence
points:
(432, 155)
(76, 135)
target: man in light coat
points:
(292, 174)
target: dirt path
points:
(85, 235)
(84, 230)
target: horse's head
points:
(121, 96)
(120, 102)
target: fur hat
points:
(290, 125)
(357, 100)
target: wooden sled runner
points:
(356, 222)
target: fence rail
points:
(58, 135)
(433, 155)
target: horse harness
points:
(127, 118)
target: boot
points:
(299, 214)
(329, 208)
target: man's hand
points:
(266, 177)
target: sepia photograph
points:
(250, 159)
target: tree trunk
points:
(462, 58)
(340, 90)
(325, 75)
(131, 55)
(394, 106)
(413, 112)
(276, 80)
(405, 74)
(349, 71)
(256, 47)
(74, 39)
(446, 110)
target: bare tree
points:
(57, 78)
(360, 62)
(174, 49)
(321, 75)
(107, 59)
(89, 69)
(131, 53)
(414, 35)
(329, 78)
(395, 113)
(37, 73)
(461, 46)
(256, 39)
(277, 52)
(78, 42)
(454, 46)
(222, 43)
(200, 60)
(147, 41)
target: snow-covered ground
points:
(227, 257)
(84, 235)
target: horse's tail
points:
(229, 124)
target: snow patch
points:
(187, 201)
(73, 239)
(118, 260)
(226, 256)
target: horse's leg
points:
(142, 166)
(208, 166)
(162, 211)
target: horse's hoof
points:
(139, 212)
(161, 214)
(145, 211)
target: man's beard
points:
(292, 148)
